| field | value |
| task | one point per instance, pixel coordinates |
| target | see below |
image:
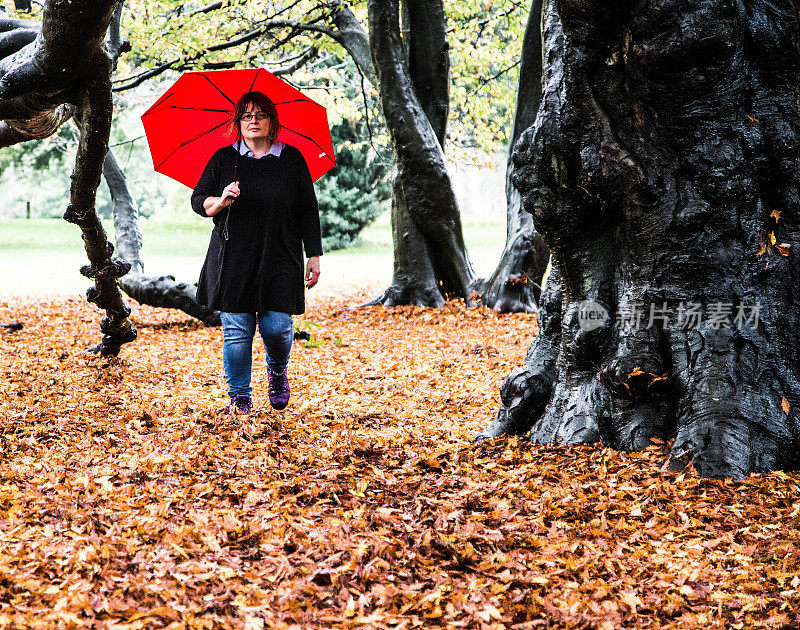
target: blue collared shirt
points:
(245, 151)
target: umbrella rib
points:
(254, 79)
(180, 146)
(307, 138)
(216, 88)
(193, 109)
(300, 100)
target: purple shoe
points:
(278, 389)
(240, 403)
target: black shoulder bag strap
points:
(235, 172)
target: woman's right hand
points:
(213, 205)
(229, 193)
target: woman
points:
(260, 195)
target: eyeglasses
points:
(259, 117)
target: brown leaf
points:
(762, 246)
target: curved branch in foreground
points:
(163, 291)
(94, 123)
(66, 70)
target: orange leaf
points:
(785, 405)
(772, 239)
(775, 214)
(783, 248)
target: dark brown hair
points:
(262, 101)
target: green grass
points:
(43, 236)
(42, 256)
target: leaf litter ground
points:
(129, 499)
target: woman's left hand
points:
(312, 271)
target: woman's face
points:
(254, 123)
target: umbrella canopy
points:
(189, 122)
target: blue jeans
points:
(238, 330)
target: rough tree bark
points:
(663, 172)
(46, 76)
(430, 259)
(515, 284)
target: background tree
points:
(663, 172)
(515, 284)
(430, 258)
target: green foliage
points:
(485, 43)
(305, 328)
(485, 46)
(37, 173)
(355, 191)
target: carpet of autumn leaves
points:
(129, 499)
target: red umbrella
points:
(188, 123)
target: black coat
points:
(260, 267)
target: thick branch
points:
(128, 234)
(353, 38)
(116, 43)
(14, 41)
(13, 24)
(94, 123)
(429, 62)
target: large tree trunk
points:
(663, 172)
(53, 72)
(431, 261)
(515, 284)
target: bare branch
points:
(208, 8)
(163, 291)
(186, 63)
